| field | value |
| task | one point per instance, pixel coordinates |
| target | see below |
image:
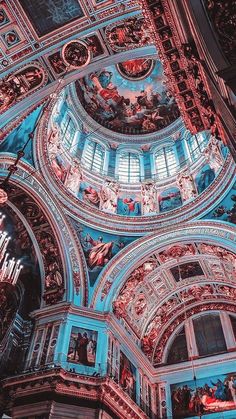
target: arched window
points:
(196, 145)
(209, 334)
(93, 156)
(129, 167)
(68, 130)
(178, 351)
(165, 161)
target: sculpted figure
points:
(186, 184)
(53, 143)
(213, 154)
(149, 198)
(109, 195)
(91, 195)
(53, 278)
(74, 178)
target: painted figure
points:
(100, 253)
(149, 107)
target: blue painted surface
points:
(226, 210)
(99, 248)
(17, 138)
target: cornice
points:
(60, 382)
(95, 218)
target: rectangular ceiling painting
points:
(48, 15)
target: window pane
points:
(67, 131)
(196, 145)
(166, 164)
(209, 334)
(178, 351)
(93, 156)
(129, 167)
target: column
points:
(228, 331)
(191, 341)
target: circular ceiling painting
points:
(136, 69)
(131, 100)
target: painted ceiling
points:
(130, 97)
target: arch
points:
(70, 254)
(148, 290)
(117, 271)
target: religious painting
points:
(226, 210)
(83, 346)
(94, 45)
(169, 199)
(76, 54)
(137, 104)
(206, 395)
(204, 178)
(99, 248)
(57, 62)
(48, 15)
(16, 140)
(136, 69)
(186, 270)
(127, 376)
(129, 205)
(128, 33)
(89, 194)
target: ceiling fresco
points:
(226, 209)
(17, 139)
(99, 248)
(129, 98)
(48, 15)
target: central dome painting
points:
(130, 98)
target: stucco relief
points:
(149, 301)
(18, 85)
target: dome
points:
(137, 172)
(130, 97)
(118, 209)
